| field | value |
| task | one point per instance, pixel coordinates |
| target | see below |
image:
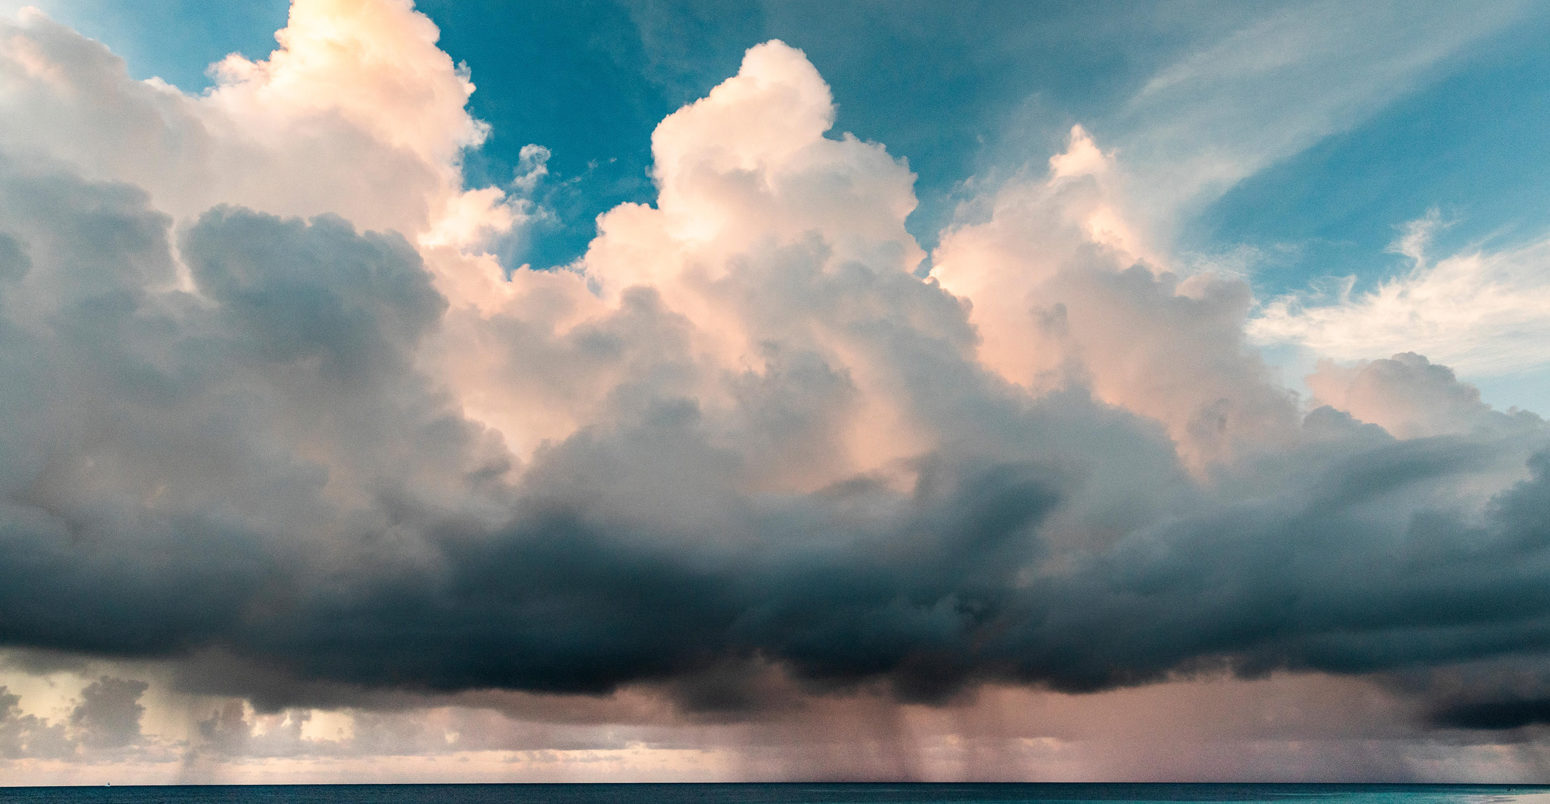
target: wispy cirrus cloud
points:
(1265, 91)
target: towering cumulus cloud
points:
(276, 423)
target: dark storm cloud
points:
(1495, 715)
(556, 604)
(936, 601)
(167, 459)
(261, 468)
(1323, 578)
(294, 292)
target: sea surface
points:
(786, 794)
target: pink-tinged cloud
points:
(280, 429)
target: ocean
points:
(784, 794)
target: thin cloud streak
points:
(1279, 85)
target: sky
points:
(638, 391)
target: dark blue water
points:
(785, 794)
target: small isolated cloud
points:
(532, 167)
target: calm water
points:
(788, 794)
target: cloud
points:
(1051, 267)
(1496, 715)
(108, 715)
(1478, 311)
(740, 454)
(27, 735)
(1272, 87)
(357, 112)
(1410, 397)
